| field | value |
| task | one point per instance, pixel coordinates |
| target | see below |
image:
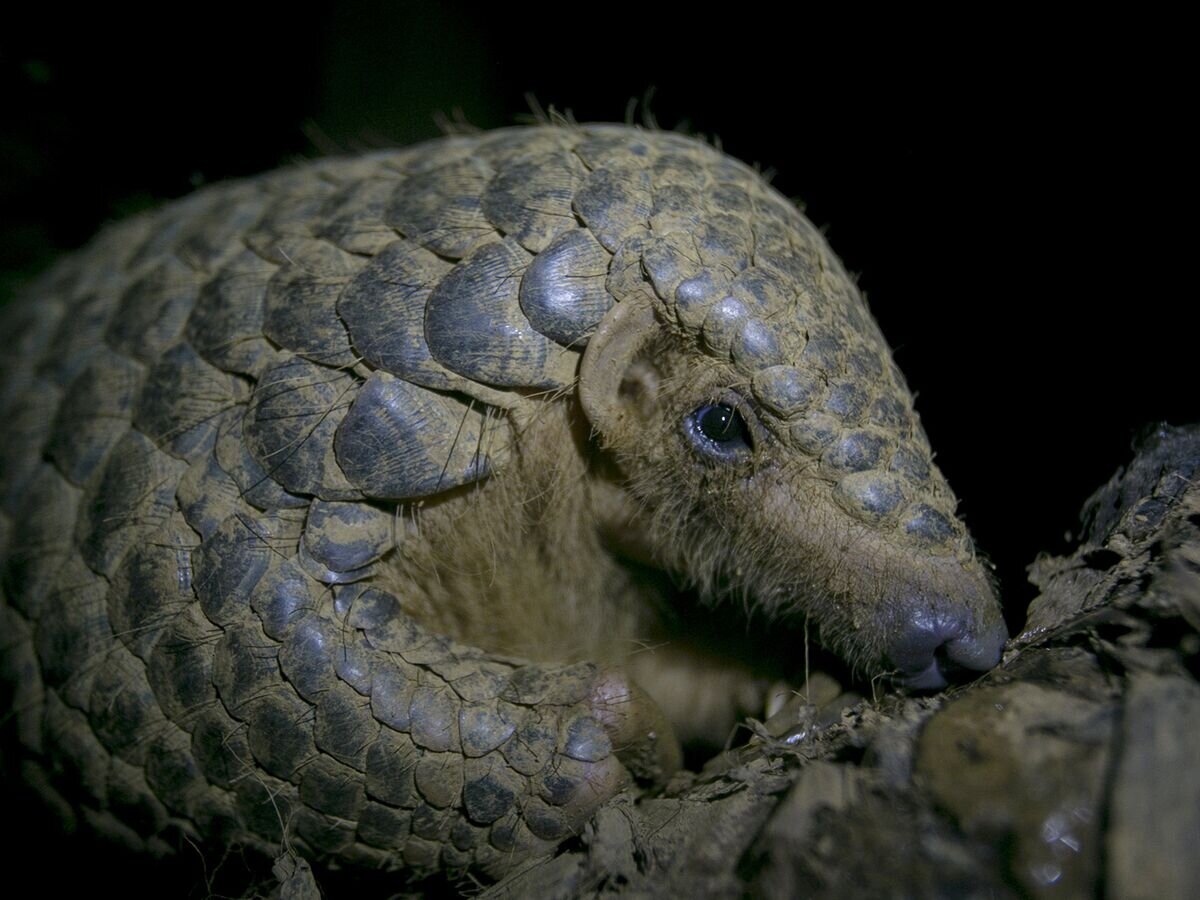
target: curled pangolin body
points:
(221, 415)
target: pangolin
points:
(378, 505)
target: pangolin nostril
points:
(941, 647)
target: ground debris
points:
(296, 880)
(1154, 817)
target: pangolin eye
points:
(718, 430)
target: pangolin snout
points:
(940, 639)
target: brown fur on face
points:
(764, 531)
(515, 564)
(577, 548)
(548, 560)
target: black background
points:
(1015, 192)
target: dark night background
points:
(1010, 190)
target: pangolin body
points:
(328, 495)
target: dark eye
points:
(718, 430)
(721, 423)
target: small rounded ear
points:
(610, 353)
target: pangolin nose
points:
(939, 644)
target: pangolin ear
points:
(609, 368)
